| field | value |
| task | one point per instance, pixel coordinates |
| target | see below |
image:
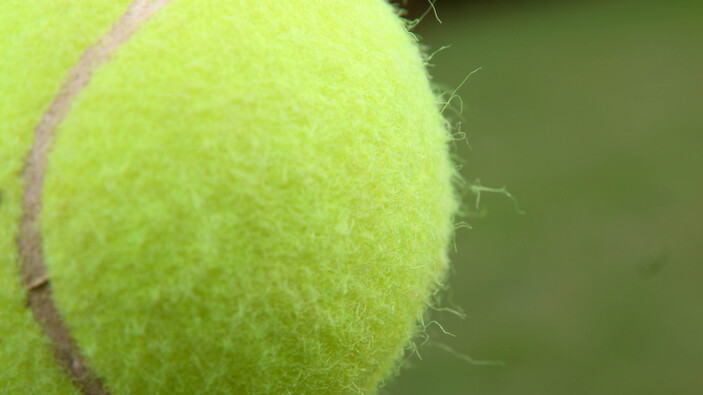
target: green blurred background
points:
(592, 113)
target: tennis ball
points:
(215, 196)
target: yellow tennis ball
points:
(215, 196)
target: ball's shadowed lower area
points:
(241, 197)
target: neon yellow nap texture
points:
(250, 197)
(39, 42)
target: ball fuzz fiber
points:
(241, 197)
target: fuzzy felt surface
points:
(249, 197)
(39, 42)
